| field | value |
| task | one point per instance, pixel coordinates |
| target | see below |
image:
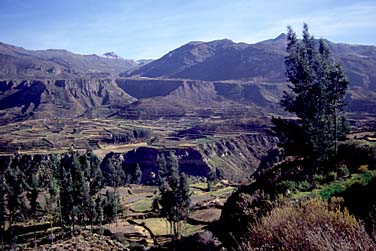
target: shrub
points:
(308, 226)
(319, 179)
(292, 185)
(331, 190)
(363, 168)
(366, 177)
(332, 176)
(343, 171)
(355, 154)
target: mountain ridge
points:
(224, 59)
(17, 62)
(198, 78)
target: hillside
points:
(263, 62)
(25, 99)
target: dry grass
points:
(206, 215)
(92, 243)
(309, 226)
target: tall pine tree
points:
(318, 86)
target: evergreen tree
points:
(162, 169)
(93, 182)
(53, 203)
(115, 177)
(137, 174)
(174, 196)
(210, 179)
(67, 200)
(98, 211)
(33, 196)
(318, 87)
(110, 206)
(80, 188)
(184, 200)
(15, 187)
(3, 192)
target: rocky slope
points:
(25, 99)
(263, 61)
(234, 158)
(217, 60)
(175, 98)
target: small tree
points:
(174, 196)
(67, 200)
(137, 174)
(15, 187)
(162, 169)
(110, 206)
(98, 211)
(33, 196)
(94, 180)
(210, 179)
(53, 203)
(3, 192)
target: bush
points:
(292, 186)
(343, 171)
(363, 168)
(308, 226)
(355, 154)
(332, 176)
(319, 179)
(331, 190)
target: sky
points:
(148, 29)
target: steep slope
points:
(175, 98)
(25, 99)
(16, 62)
(217, 60)
(262, 62)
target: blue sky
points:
(150, 28)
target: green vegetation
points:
(338, 187)
(330, 189)
(302, 193)
(174, 193)
(142, 205)
(70, 188)
(317, 98)
(130, 136)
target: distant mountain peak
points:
(111, 54)
(281, 36)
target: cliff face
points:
(175, 98)
(22, 99)
(233, 158)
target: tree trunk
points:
(2, 231)
(116, 205)
(35, 235)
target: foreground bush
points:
(309, 226)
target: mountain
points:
(219, 78)
(217, 60)
(17, 62)
(261, 62)
(111, 55)
(141, 62)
